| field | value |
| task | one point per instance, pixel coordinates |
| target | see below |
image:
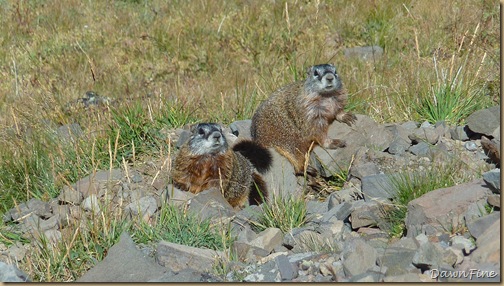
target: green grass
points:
(411, 185)
(173, 225)
(167, 64)
(283, 211)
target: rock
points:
(286, 269)
(268, 239)
(53, 236)
(421, 149)
(210, 204)
(241, 128)
(124, 263)
(461, 243)
(403, 278)
(442, 208)
(364, 53)
(177, 257)
(409, 125)
(69, 132)
(366, 214)
(185, 275)
(364, 133)
(144, 207)
(359, 257)
(183, 138)
(315, 207)
(470, 146)
(37, 225)
(478, 226)
(488, 245)
(280, 179)
(34, 206)
(248, 253)
(398, 146)
(461, 133)
(424, 134)
(173, 195)
(428, 256)
(492, 178)
(378, 186)
(91, 184)
(341, 211)
(70, 196)
(484, 121)
(494, 200)
(91, 204)
(17, 252)
(364, 169)
(10, 273)
(368, 277)
(475, 210)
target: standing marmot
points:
(300, 113)
(206, 161)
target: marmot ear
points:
(309, 70)
(193, 127)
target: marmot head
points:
(322, 79)
(207, 138)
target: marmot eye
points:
(315, 73)
(201, 131)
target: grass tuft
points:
(283, 211)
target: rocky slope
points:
(450, 233)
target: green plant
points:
(283, 211)
(411, 185)
(174, 225)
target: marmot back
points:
(206, 162)
(299, 114)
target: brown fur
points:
(229, 172)
(292, 118)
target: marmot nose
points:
(216, 135)
(329, 77)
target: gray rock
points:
(10, 273)
(177, 257)
(484, 121)
(316, 207)
(364, 133)
(34, 206)
(398, 146)
(185, 275)
(285, 267)
(91, 204)
(404, 278)
(210, 204)
(427, 256)
(17, 252)
(488, 245)
(461, 243)
(470, 146)
(359, 257)
(53, 236)
(183, 138)
(397, 260)
(344, 195)
(378, 186)
(494, 200)
(421, 149)
(424, 134)
(366, 214)
(492, 178)
(442, 208)
(365, 169)
(69, 132)
(241, 128)
(478, 226)
(368, 277)
(91, 184)
(70, 196)
(364, 53)
(38, 225)
(409, 125)
(281, 179)
(144, 207)
(173, 195)
(341, 211)
(460, 133)
(248, 253)
(475, 210)
(268, 239)
(124, 263)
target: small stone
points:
(91, 204)
(494, 200)
(470, 146)
(462, 243)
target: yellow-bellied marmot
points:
(299, 114)
(206, 161)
